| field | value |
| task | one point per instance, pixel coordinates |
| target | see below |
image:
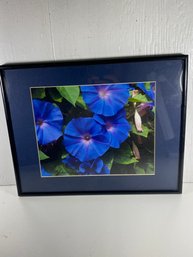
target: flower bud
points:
(135, 151)
(138, 121)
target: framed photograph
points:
(97, 126)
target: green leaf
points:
(145, 132)
(139, 170)
(42, 156)
(124, 155)
(55, 95)
(38, 93)
(108, 159)
(139, 98)
(150, 168)
(130, 161)
(130, 110)
(80, 102)
(64, 154)
(70, 93)
(147, 86)
(62, 170)
(57, 168)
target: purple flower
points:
(117, 126)
(105, 99)
(145, 106)
(93, 167)
(85, 139)
(48, 120)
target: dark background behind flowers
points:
(134, 156)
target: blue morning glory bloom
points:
(48, 120)
(45, 173)
(85, 139)
(72, 162)
(150, 93)
(95, 167)
(106, 100)
(117, 126)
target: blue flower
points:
(86, 168)
(72, 162)
(150, 93)
(105, 99)
(95, 167)
(117, 126)
(45, 173)
(48, 120)
(85, 139)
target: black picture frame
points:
(170, 74)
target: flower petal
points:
(44, 173)
(86, 139)
(97, 165)
(49, 121)
(117, 126)
(106, 100)
(47, 134)
(105, 170)
(84, 167)
(80, 126)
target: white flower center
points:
(104, 93)
(87, 139)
